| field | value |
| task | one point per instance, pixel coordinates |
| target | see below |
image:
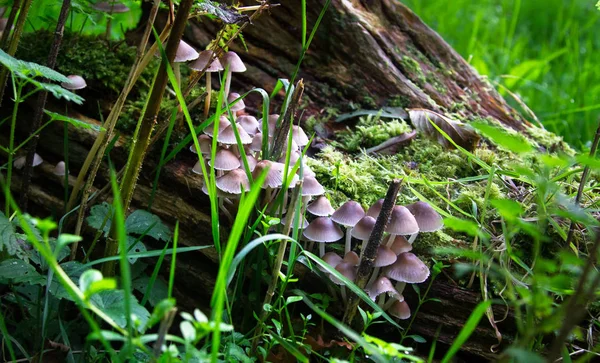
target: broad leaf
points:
(159, 289)
(30, 70)
(140, 221)
(98, 213)
(72, 121)
(134, 246)
(8, 237)
(18, 271)
(74, 270)
(500, 137)
(113, 304)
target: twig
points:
(584, 176)
(366, 263)
(282, 132)
(41, 103)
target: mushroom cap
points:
(402, 222)
(233, 182)
(400, 310)
(110, 7)
(407, 268)
(332, 259)
(227, 136)
(427, 218)
(352, 258)
(308, 171)
(362, 230)
(197, 169)
(274, 177)
(234, 62)
(75, 82)
(304, 223)
(185, 53)
(375, 209)
(348, 214)
(249, 123)
(381, 286)
(311, 187)
(400, 245)
(59, 169)
(256, 144)
(323, 230)
(347, 270)
(385, 256)
(19, 162)
(320, 207)
(239, 105)
(294, 156)
(271, 123)
(251, 162)
(299, 136)
(220, 193)
(223, 123)
(281, 167)
(203, 58)
(205, 143)
(225, 160)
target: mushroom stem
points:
(207, 99)
(227, 85)
(343, 292)
(373, 275)
(390, 240)
(224, 210)
(348, 241)
(391, 302)
(321, 249)
(311, 245)
(412, 238)
(362, 247)
(381, 300)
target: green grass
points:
(545, 51)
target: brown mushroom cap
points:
(427, 218)
(312, 187)
(205, 143)
(233, 182)
(320, 207)
(375, 209)
(383, 285)
(385, 257)
(274, 177)
(400, 310)
(184, 53)
(239, 105)
(407, 268)
(75, 82)
(251, 162)
(362, 230)
(400, 245)
(352, 258)
(225, 160)
(223, 123)
(332, 259)
(197, 169)
(402, 222)
(249, 123)
(227, 136)
(347, 270)
(348, 214)
(323, 230)
(234, 62)
(203, 58)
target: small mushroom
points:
(238, 106)
(362, 231)
(428, 219)
(205, 143)
(227, 136)
(19, 162)
(59, 169)
(352, 258)
(233, 182)
(111, 7)
(407, 268)
(380, 286)
(184, 53)
(375, 209)
(225, 160)
(332, 259)
(400, 245)
(232, 63)
(249, 123)
(299, 136)
(201, 63)
(323, 230)
(251, 162)
(385, 257)
(320, 207)
(401, 222)
(75, 82)
(223, 124)
(348, 216)
(399, 309)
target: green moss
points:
(371, 131)
(413, 68)
(399, 101)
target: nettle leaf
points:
(158, 292)
(140, 221)
(512, 142)
(97, 215)
(134, 246)
(461, 133)
(29, 69)
(8, 237)
(57, 91)
(74, 270)
(77, 123)
(18, 271)
(113, 304)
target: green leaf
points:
(160, 310)
(134, 246)
(515, 143)
(77, 123)
(92, 282)
(158, 292)
(112, 304)
(8, 238)
(462, 225)
(18, 271)
(140, 221)
(57, 91)
(509, 209)
(97, 215)
(520, 355)
(29, 70)
(87, 278)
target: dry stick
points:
(140, 145)
(9, 24)
(366, 263)
(41, 103)
(14, 42)
(575, 309)
(584, 176)
(283, 131)
(96, 154)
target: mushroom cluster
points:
(393, 262)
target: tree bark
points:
(369, 53)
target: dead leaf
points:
(461, 133)
(392, 145)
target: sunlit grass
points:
(544, 51)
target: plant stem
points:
(9, 23)
(282, 132)
(11, 142)
(366, 263)
(41, 103)
(140, 145)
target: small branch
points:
(366, 264)
(584, 176)
(282, 132)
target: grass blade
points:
(467, 330)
